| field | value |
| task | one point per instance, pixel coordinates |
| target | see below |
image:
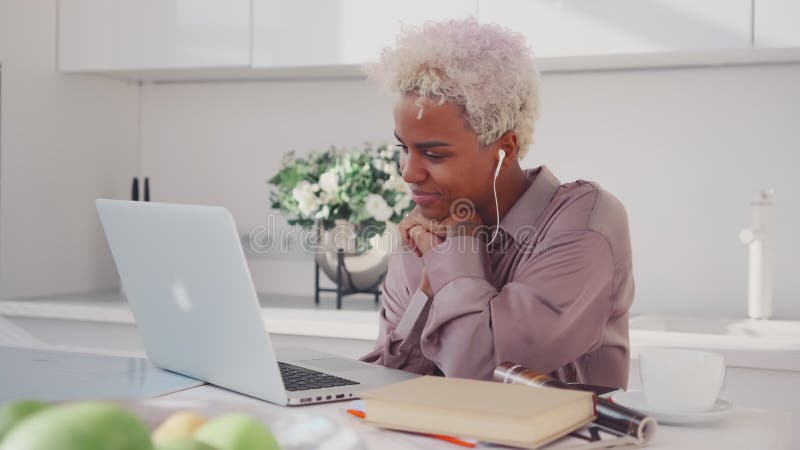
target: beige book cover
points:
(489, 411)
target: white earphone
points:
(502, 155)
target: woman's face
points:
(442, 160)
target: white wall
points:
(65, 140)
(218, 143)
(683, 149)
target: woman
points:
(550, 285)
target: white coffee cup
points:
(681, 380)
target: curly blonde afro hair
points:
(485, 68)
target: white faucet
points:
(761, 249)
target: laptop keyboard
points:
(301, 379)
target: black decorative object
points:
(342, 277)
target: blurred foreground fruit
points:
(12, 413)
(178, 425)
(79, 426)
(236, 432)
(185, 443)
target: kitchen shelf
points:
(547, 65)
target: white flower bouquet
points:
(362, 187)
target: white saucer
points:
(635, 400)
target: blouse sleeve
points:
(552, 312)
(402, 318)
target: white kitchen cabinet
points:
(605, 27)
(181, 40)
(296, 33)
(776, 23)
(99, 35)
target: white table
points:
(745, 428)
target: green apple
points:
(236, 432)
(185, 443)
(12, 413)
(80, 426)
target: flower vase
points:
(361, 271)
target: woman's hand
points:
(420, 233)
(422, 240)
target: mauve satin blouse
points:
(552, 293)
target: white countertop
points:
(346, 324)
(779, 353)
(748, 343)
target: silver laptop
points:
(185, 275)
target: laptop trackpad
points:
(335, 364)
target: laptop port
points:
(319, 398)
(305, 400)
(328, 397)
(340, 396)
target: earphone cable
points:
(496, 210)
